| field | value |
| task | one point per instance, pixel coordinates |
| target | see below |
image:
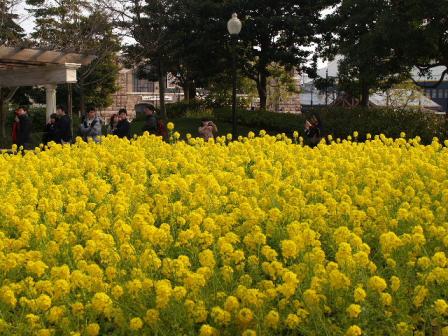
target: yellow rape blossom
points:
(254, 236)
(441, 307)
(353, 330)
(377, 283)
(93, 329)
(136, 323)
(353, 310)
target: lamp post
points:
(234, 26)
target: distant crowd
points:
(59, 127)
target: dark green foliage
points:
(361, 31)
(270, 121)
(79, 26)
(181, 109)
(275, 32)
(11, 35)
(189, 38)
(342, 122)
(381, 41)
(96, 88)
(421, 31)
(10, 32)
(148, 23)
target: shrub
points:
(342, 122)
(194, 108)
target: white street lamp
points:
(234, 26)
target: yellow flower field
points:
(256, 237)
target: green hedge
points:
(342, 122)
(184, 109)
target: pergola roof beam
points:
(41, 75)
(40, 56)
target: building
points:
(134, 93)
(281, 98)
(436, 96)
(310, 96)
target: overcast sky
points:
(26, 21)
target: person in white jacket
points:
(91, 127)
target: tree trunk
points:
(262, 87)
(5, 97)
(162, 86)
(186, 89)
(189, 88)
(3, 113)
(82, 98)
(364, 95)
(192, 90)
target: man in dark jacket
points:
(123, 127)
(24, 128)
(63, 126)
(151, 121)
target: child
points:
(50, 130)
(313, 129)
(113, 122)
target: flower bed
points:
(256, 237)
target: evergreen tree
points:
(10, 31)
(360, 31)
(189, 38)
(11, 34)
(80, 26)
(276, 32)
(147, 23)
(422, 31)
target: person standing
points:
(123, 127)
(63, 126)
(313, 130)
(15, 128)
(113, 122)
(22, 128)
(151, 120)
(90, 128)
(50, 130)
(207, 130)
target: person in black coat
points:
(63, 126)
(50, 130)
(123, 129)
(24, 128)
(151, 120)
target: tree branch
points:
(11, 93)
(442, 77)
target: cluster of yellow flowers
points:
(260, 236)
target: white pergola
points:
(38, 67)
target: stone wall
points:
(127, 98)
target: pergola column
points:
(50, 99)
